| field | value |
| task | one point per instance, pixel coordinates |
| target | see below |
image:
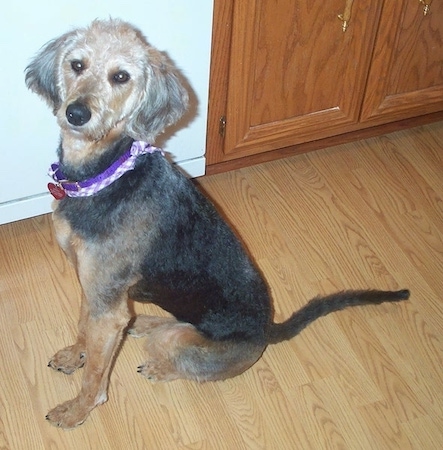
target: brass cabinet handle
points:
(222, 126)
(346, 16)
(426, 6)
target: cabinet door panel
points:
(293, 75)
(406, 76)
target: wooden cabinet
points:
(406, 75)
(284, 72)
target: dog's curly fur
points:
(151, 235)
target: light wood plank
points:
(366, 214)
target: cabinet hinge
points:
(222, 126)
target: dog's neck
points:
(91, 186)
(84, 157)
(81, 159)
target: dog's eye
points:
(120, 77)
(77, 66)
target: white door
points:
(29, 132)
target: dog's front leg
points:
(102, 335)
(68, 359)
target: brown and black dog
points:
(135, 228)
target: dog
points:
(135, 228)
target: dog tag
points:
(56, 191)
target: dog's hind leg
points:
(144, 325)
(177, 350)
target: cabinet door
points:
(406, 77)
(292, 74)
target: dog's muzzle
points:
(78, 114)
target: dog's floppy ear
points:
(41, 75)
(164, 102)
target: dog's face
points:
(101, 81)
(107, 78)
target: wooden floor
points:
(368, 214)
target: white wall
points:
(28, 129)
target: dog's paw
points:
(68, 359)
(69, 414)
(155, 370)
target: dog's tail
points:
(321, 306)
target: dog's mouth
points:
(77, 120)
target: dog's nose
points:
(77, 114)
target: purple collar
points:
(93, 185)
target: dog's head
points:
(107, 77)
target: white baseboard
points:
(193, 168)
(36, 205)
(25, 208)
